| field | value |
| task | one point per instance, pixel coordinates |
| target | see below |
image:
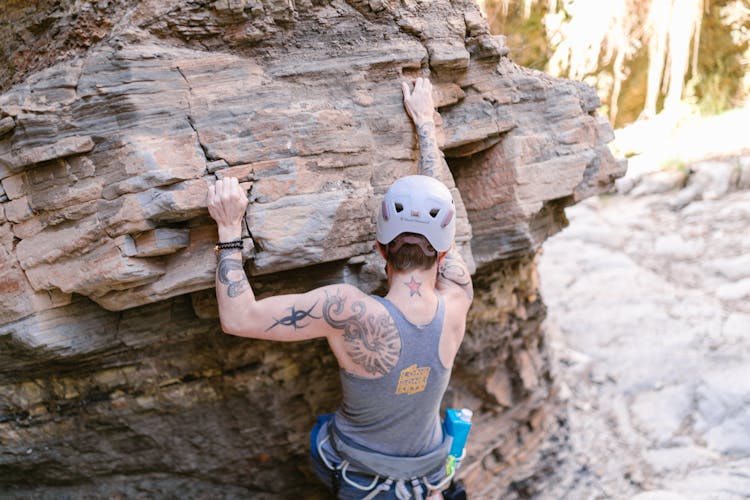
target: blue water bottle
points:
(457, 425)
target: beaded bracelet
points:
(227, 245)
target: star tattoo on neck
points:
(413, 287)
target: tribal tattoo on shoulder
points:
(227, 264)
(372, 341)
(453, 270)
(295, 317)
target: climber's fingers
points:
(219, 187)
(226, 200)
(228, 190)
(211, 196)
(240, 193)
(407, 92)
(422, 85)
(405, 87)
(418, 103)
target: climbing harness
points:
(398, 483)
(396, 472)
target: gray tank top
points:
(399, 414)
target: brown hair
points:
(405, 256)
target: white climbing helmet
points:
(418, 204)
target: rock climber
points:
(395, 352)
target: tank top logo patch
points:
(413, 380)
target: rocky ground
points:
(649, 319)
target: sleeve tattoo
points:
(372, 342)
(227, 264)
(428, 150)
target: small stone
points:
(713, 178)
(685, 197)
(499, 385)
(731, 268)
(377, 5)
(447, 56)
(15, 186)
(240, 172)
(18, 210)
(675, 246)
(527, 370)
(213, 166)
(489, 46)
(126, 245)
(660, 182)
(476, 22)
(734, 291)
(717, 399)
(6, 125)
(625, 185)
(731, 437)
(661, 413)
(447, 94)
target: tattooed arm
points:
(359, 330)
(284, 317)
(420, 107)
(454, 276)
(226, 204)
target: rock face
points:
(116, 117)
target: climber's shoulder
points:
(342, 293)
(345, 304)
(454, 282)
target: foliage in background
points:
(643, 56)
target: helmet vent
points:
(384, 210)
(447, 219)
(399, 208)
(434, 212)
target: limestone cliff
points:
(115, 117)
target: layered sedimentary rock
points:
(116, 117)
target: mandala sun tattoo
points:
(373, 342)
(235, 287)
